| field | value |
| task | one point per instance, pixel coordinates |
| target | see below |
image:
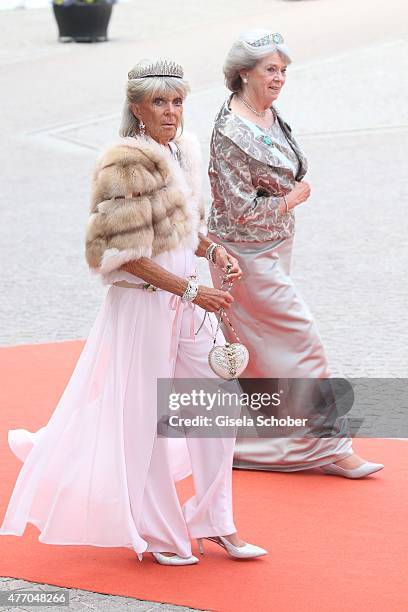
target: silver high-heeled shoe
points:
(174, 559)
(247, 551)
(360, 471)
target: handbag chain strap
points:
(222, 314)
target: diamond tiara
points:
(162, 68)
(275, 38)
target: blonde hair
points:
(243, 56)
(138, 89)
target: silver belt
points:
(144, 286)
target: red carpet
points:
(335, 544)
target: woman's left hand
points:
(223, 259)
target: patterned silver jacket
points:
(248, 176)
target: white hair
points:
(138, 89)
(243, 56)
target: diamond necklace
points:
(257, 113)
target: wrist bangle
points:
(209, 251)
(217, 246)
(191, 291)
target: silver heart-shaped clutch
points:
(228, 361)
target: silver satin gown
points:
(276, 325)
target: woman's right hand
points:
(299, 194)
(213, 299)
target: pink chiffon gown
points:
(97, 473)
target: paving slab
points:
(85, 601)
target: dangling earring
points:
(142, 128)
(245, 79)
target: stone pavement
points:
(84, 601)
(345, 99)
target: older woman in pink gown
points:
(98, 473)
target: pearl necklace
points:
(257, 113)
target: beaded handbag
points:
(228, 361)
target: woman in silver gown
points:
(256, 172)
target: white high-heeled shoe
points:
(247, 551)
(174, 559)
(360, 471)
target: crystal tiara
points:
(275, 38)
(162, 68)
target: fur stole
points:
(143, 202)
